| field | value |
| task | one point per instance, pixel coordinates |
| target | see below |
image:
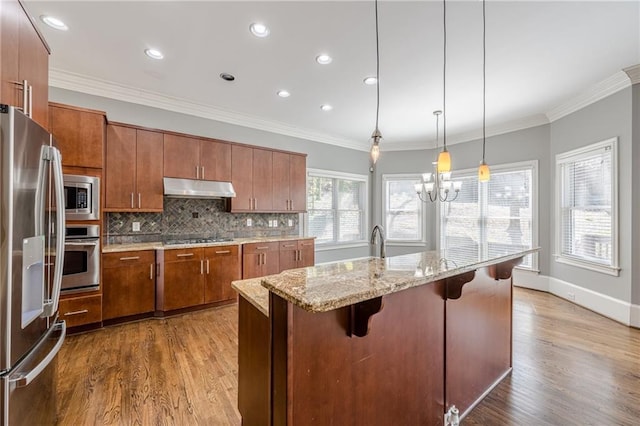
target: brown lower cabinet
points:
(297, 254)
(81, 310)
(196, 276)
(223, 265)
(129, 284)
(260, 259)
(180, 279)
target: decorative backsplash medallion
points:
(190, 218)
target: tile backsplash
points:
(189, 218)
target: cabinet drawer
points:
(186, 254)
(252, 248)
(81, 310)
(116, 260)
(289, 245)
(306, 243)
(221, 251)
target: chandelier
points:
(438, 185)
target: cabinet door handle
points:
(201, 267)
(264, 258)
(68, 314)
(132, 200)
(184, 255)
(207, 266)
(139, 200)
(197, 172)
(223, 252)
(30, 89)
(202, 177)
(130, 258)
(151, 271)
(25, 97)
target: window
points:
(403, 210)
(493, 218)
(336, 206)
(587, 207)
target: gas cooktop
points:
(197, 241)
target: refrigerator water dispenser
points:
(32, 279)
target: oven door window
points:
(75, 262)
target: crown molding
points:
(97, 87)
(607, 87)
(500, 129)
(634, 73)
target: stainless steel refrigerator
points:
(31, 259)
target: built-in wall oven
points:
(82, 197)
(81, 270)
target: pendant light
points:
(444, 158)
(376, 135)
(484, 174)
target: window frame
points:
(414, 178)
(572, 156)
(483, 191)
(335, 244)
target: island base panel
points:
(393, 375)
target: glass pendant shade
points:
(484, 174)
(375, 152)
(444, 161)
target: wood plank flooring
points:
(571, 367)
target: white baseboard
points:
(530, 279)
(618, 310)
(635, 316)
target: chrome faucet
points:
(380, 231)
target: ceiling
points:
(540, 54)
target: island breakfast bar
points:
(374, 341)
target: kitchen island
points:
(375, 341)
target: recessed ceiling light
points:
(259, 30)
(283, 93)
(324, 59)
(326, 107)
(370, 81)
(227, 77)
(154, 53)
(54, 22)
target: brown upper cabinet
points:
(252, 178)
(289, 182)
(24, 63)
(194, 158)
(79, 133)
(133, 172)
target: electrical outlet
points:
(136, 226)
(249, 222)
(290, 222)
(571, 296)
(275, 223)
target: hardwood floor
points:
(571, 367)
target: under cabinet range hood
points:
(190, 188)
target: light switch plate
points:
(136, 226)
(290, 222)
(249, 222)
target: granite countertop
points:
(331, 286)
(158, 245)
(253, 291)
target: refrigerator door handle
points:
(51, 305)
(40, 192)
(26, 379)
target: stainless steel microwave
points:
(82, 197)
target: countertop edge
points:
(157, 245)
(252, 290)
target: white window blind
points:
(587, 207)
(336, 206)
(494, 218)
(403, 210)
